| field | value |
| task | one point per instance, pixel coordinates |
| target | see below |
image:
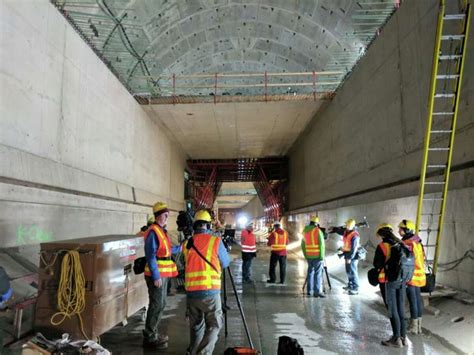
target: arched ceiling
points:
(143, 40)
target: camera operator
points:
(205, 256)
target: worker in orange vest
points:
(205, 256)
(249, 251)
(406, 229)
(277, 240)
(313, 249)
(351, 241)
(382, 253)
(144, 229)
(158, 270)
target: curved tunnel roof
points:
(142, 41)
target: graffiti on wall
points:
(32, 235)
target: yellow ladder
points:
(447, 73)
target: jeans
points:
(205, 322)
(415, 301)
(246, 266)
(395, 295)
(315, 276)
(274, 259)
(156, 307)
(382, 292)
(352, 275)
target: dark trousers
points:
(395, 294)
(415, 301)
(247, 265)
(274, 259)
(352, 275)
(156, 307)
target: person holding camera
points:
(277, 240)
(205, 256)
(249, 251)
(406, 229)
(158, 270)
(350, 246)
(313, 249)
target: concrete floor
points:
(340, 324)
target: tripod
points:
(226, 308)
(327, 277)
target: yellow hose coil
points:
(71, 291)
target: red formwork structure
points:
(269, 176)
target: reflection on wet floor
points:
(339, 324)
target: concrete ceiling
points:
(143, 40)
(233, 195)
(230, 130)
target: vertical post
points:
(266, 85)
(215, 88)
(314, 85)
(174, 89)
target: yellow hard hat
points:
(202, 215)
(151, 220)
(160, 207)
(407, 225)
(382, 226)
(314, 219)
(350, 223)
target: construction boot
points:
(404, 340)
(413, 326)
(394, 342)
(419, 326)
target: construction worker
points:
(313, 249)
(158, 270)
(382, 253)
(6, 293)
(249, 251)
(205, 256)
(143, 230)
(406, 229)
(277, 240)
(394, 290)
(351, 241)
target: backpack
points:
(401, 265)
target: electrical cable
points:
(469, 254)
(72, 290)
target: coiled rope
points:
(71, 291)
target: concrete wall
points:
(365, 146)
(78, 155)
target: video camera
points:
(228, 237)
(184, 222)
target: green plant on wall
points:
(32, 235)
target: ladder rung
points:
(430, 261)
(438, 149)
(432, 199)
(443, 113)
(454, 17)
(450, 56)
(448, 37)
(428, 229)
(444, 95)
(431, 214)
(429, 245)
(435, 183)
(442, 131)
(432, 166)
(451, 76)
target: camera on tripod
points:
(228, 237)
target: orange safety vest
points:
(166, 266)
(419, 276)
(279, 243)
(386, 249)
(311, 239)
(347, 240)
(198, 274)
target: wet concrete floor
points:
(339, 324)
